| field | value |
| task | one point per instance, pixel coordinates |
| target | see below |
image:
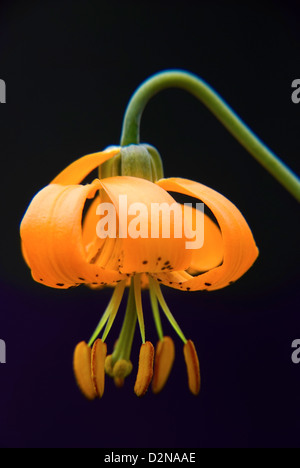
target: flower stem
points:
(210, 98)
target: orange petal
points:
(81, 168)
(97, 366)
(145, 372)
(240, 251)
(164, 359)
(90, 223)
(51, 232)
(210, 255)
(138, 255)
(82, 370)
(193, 368)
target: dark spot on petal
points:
(207, 284)
(160, 280)
(145, 262)
(81, 279)
(97, 276)
(159, 259)
(41, 279)
(95, 284)
(171, 282)
(188, 289)
(60, 284)
(167, 263)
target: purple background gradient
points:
(70, 69)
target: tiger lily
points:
(63, 250)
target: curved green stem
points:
(223, 112)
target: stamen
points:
(138, 303)
(193, 367)
(82, 370)
(156, 314)
(114, 309)
(124, 343)
(111, 309)
(145, 372)
(97, 366)
(164, 358)
(156, 288)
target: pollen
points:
(164, 359)
(97, 366)
(145, 372)
(193, 367)
(82, 370)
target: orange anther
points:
(193, 367)
(164, 358)
(97, 366)
(82, 370)
(145, 372)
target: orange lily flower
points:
(63, 250)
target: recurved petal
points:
(240, 251)
(51, 233)
(145, 245)
(211, 253)
(81, 168)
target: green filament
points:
(111, 311)
(138, 303)
(156, 315)
(156, 288)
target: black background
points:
(70, 69)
